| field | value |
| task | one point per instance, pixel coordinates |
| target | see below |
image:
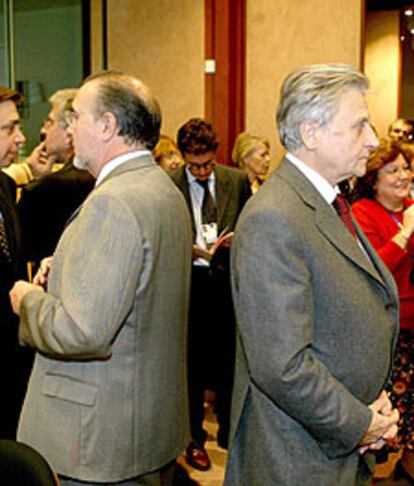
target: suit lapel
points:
(334, 230)
(223, 196)
(331, 226)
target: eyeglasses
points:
(49, 122)
(395, 171)
(401, 130)
(194, 166)
(72, 116)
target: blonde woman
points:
(251, 154)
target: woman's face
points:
(170, 161)
(393, 181)
(258, 161)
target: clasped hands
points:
(383, 426)
(21, 287)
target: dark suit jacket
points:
(317, 324)
(45, 206)
(232, 192)
(9, 271)
(214, 327)
(15, 362)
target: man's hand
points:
(39, 162)
(42, 274)
(383, 424)
(19, 290)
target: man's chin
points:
(7, 161)
(361, 170)
(80, 163)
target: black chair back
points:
(21, 465)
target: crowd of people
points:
(136, 273)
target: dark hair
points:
(386, 152)
(137, 112)
(8, 94)
(197, 137)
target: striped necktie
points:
(342, 208)
(208, 207)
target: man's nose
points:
(19, 137)
(371, 138)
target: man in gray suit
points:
(107, 398)
(317, 311)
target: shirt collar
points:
(325, 189)
(117, 161)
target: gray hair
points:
(311, 94)
(62, 101)
(137, 112)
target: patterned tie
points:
(342, 208)
(208, 207)
(4, 246)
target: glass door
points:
(5, 61)
(41, 51)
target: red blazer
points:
(379, 226)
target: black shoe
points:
(197, 457)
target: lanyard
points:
(394, 217)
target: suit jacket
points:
(10, 271)
(46, 204)
(317, 324)
(232, 192)
(15, 362)
(107, 398)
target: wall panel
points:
(162, 43)
(382, 66)
(283, 35)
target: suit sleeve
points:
(97, 276)
(273, 296)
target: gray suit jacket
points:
(107, 399)
(317, 324)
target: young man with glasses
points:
(215, 195)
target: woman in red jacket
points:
(386, 215)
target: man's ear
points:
(109, 126)
(310, 134)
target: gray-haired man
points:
(317, 310)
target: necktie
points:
(4, 246)
(342, 208)
(208, 207)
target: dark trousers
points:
(211, 349)
(15, 367)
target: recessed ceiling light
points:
(408, 12)
(412, 31)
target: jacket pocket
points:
(69, 389)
